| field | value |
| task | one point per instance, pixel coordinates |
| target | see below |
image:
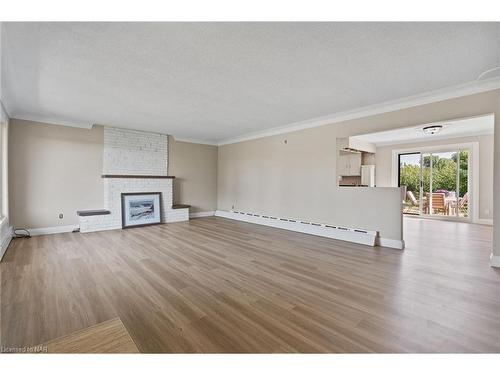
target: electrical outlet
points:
(61, 216)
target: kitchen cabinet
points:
(349, 164)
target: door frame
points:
(473, 174)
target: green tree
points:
(444, 176)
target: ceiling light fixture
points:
(432, 129)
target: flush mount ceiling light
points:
(432, 129)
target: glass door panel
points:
(463, 202)
(409, 177)
(426, 183)
(444, 172)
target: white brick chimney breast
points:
(133, 153)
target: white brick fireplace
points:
(133, 162)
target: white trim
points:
(494, 260)
(201, 214)
(470, 88)
(118, 227)
(5, 242)
(50, 121)
(442, 218)
(194, 140)
(475, 181)
(452, 92)
(318, 229)
(53, 230)
(4, 109)
(388, 242)
(484, 221)
(449, 218)
(433, 139)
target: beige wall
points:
(56, 169)
(195, 168)
(384, 166)
(53, 169)
(297, 179)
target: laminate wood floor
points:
(106, 337)
(217, 285)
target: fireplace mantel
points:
(133, 176)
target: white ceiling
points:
(451, 129)
(216, 81)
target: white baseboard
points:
(495, 260)
(484, 221)
(389, 242)
(101, 229)
(324, 230)
(53, 230)
(201, 214)
(5, 243)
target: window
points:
(3, 163)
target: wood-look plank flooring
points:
(106, 337)
(218, 285)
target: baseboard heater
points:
(343, 233)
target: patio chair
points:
(438, 203)
(410, 202)
(462, 204)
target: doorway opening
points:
(437, 182)
(444, 169)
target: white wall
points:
(383, 162)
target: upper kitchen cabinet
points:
(353, 156)
(349, 163)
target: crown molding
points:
(50, 121)
(194, 140)
(470, 88)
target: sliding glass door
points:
(437, 183)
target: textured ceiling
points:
(214, 81)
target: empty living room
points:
(216, 185)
